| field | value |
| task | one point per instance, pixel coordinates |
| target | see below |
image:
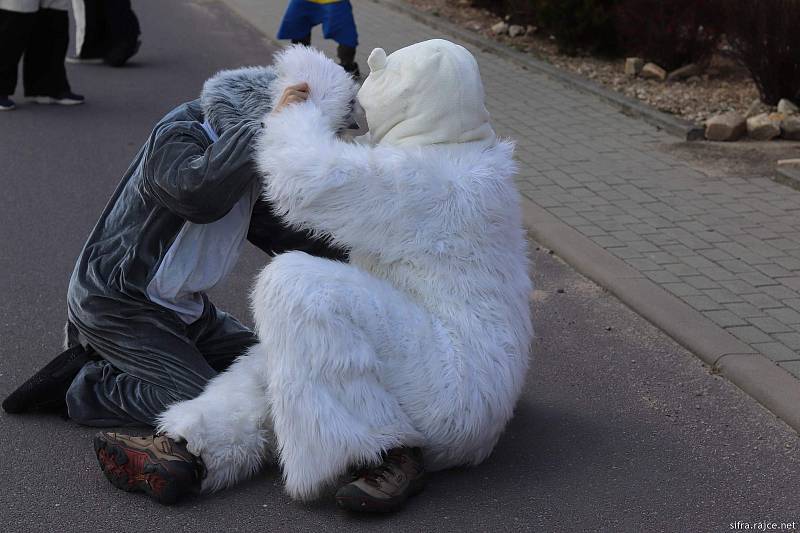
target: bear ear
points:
(377, 60)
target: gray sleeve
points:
(198, 182)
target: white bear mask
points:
(427, 93)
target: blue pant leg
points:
(338, 23)
(298, 20)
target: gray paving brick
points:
(700, 282)
(751, 334)
(744, 309)
(793, 303)
(717, 273)
(792, 340)
(726, 319)
(735, 266)
(702, 302)
(762, 301)
(793, 367)
(789, 263)
(680, 289)
(739, 286)
(770, 325)
(679, 269)
(772, 270)
(792, 283)
(662, 276)
(777, 351)
(723, 296)
(785, 315)
(757, 279)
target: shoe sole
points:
(121, 466)
(12, 108)
(367, 504)
(47, 100)
(79, 61)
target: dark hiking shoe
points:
(47, 389)
(6, 103)
(120, 54)
(156, 465)
(353, 70)
(386, 487)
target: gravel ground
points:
(724, 86)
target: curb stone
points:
(756, 375)
(672, 125)
(788, 175)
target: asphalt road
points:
(619, 428)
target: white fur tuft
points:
(331, 88)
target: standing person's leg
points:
(45, 76)
(122, 29)
(90, 33)
(298, 20)
(340, 26)
(15, 30)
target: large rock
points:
(501, 28)
(515, 29)
(756, 108)
(651, 71)
(633, 66)
(790, 127)
(765, 126)
(686, 71)
(726, 127)
(787, 107)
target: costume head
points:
(231, 96)
(427, 93)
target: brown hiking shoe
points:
(156, 465)
(387, 486)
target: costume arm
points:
(271, 234)
(354, 193)
(195, 180)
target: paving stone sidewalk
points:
(728, 247)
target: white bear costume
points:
(424, 338)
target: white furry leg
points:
(321, 326)
(228, 424)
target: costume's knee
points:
(297, 286)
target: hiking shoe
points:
(6, 103)
(66, 98)
(47, 389)
(386, 487)
(156, 465)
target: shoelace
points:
(373, 476)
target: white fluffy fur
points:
(227, 425)
(422, 340)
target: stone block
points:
(726, 127)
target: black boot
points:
(347, 59)
(47, 389)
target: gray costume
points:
(173, 228)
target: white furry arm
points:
(351, 192)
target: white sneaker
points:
(75, 60)
(62, 99)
